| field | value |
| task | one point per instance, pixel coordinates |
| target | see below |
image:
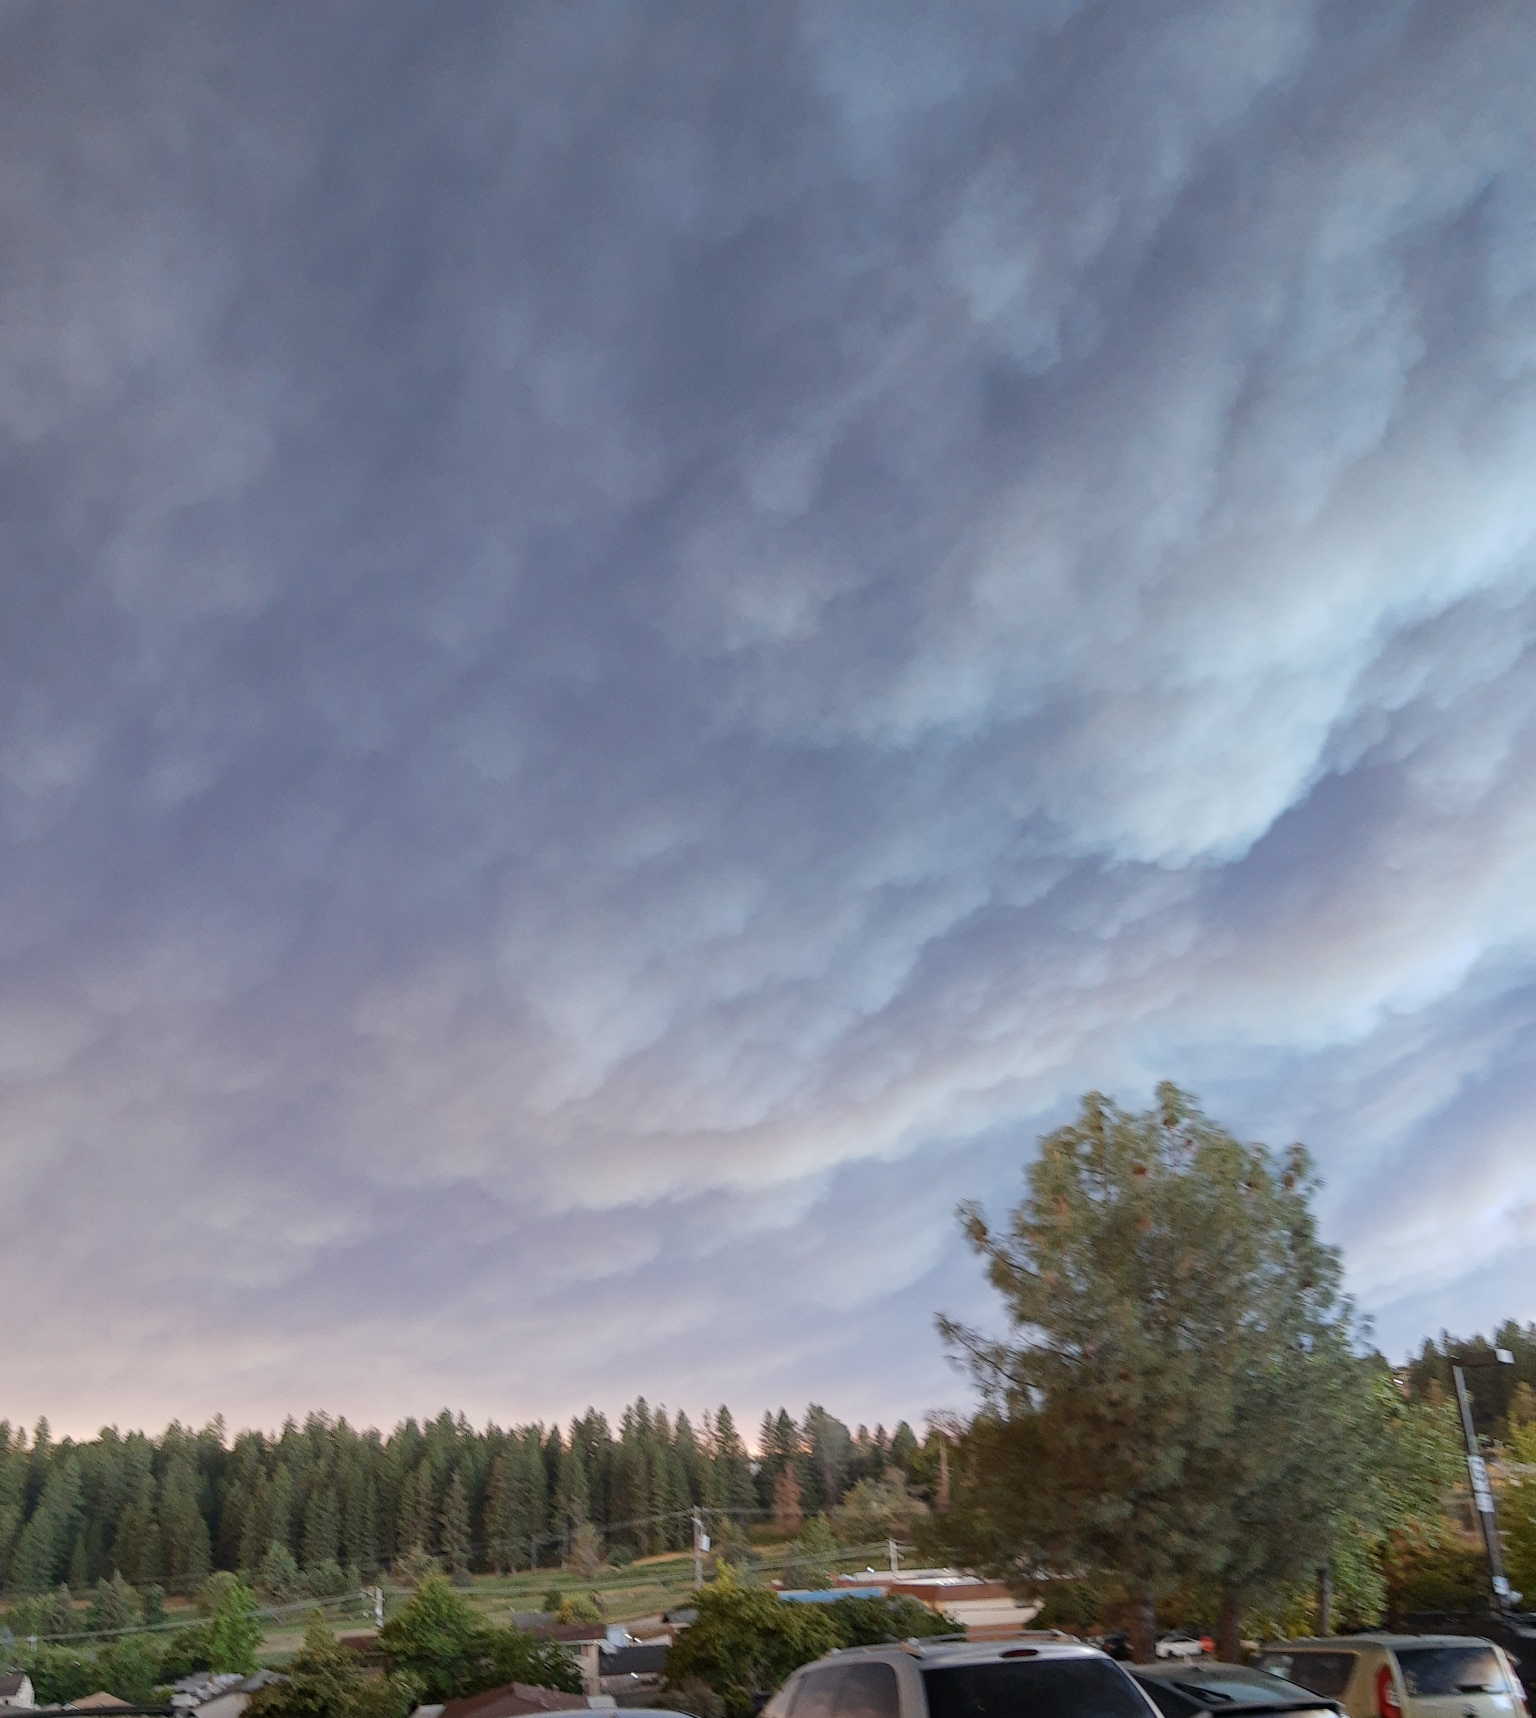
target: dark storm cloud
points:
(637, 638)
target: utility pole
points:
(378, 1607)
(700, 1546)
(891, 1552)
(1482, 1492)
(1325, 1600)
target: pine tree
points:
(185, 1550)
(787, 1513)
(455, 1526)
(115, 1607)
(322, 1526)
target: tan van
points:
(1403, 1675)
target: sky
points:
(637, 639)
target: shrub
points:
(450, 1652)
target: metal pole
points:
(1482, 1497)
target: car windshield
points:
(1431, 1670)
(1047, 1688)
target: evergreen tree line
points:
(322, 1505)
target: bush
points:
(324, 1680)
(60, 1674)
(450, 1652)
(747, 1640)
(132, 1668)
(328, 1579)
(233, 1633)
(621, 1556)
(187, 1651)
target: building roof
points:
(94, 1702)
(515, 1700)
(10, 1683)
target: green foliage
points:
(1441, 1573)
(290, 1510)
(131, 1668)
(811, 1555)
(579, 1608)
(60, 1674)
(278, 1576)
(234, 1634)
(324, 1680)
(746, 1640)
(449, 1651)
(880, 1507)
(1183, 1398)
(115, 1607)
(873, 1622)
(188, 1650)
(1517, 1507)
(1074, 1604)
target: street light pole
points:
(1482, 1491)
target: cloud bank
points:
(637, 639)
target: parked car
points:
(1192, 1690)
(1175, 1645)
(1403, 1676)
(1515, 1632)
(963, 1679)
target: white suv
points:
(963, 1679)
(1403, 1675)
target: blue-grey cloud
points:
(638, 639)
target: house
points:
(625, 1671)
(515, 1700)
(16, 1689)
(221, 1695)
(986, 1610)
(587, 1641)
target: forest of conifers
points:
(339, 1504)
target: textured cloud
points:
(638, 639)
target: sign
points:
(1482, 1492)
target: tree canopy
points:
(448, 1651)
(1182, 1393)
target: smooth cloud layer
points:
(639, 639)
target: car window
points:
(1431, 1670)
(1167, 1698)
(816, 1697)
(869, 1691)
(1325, 1673)
(1047, 1688)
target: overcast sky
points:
(639, 636)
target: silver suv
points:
(963, 1679)
(1403, 1675)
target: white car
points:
(963, 1679)
(1178, 1646)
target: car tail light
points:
(1387, 1703)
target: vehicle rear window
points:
(1431, 1670)
(868, 1691)
(1232, 1683)
(817, 1694)
(1048, 1688)
(1325, 1673)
